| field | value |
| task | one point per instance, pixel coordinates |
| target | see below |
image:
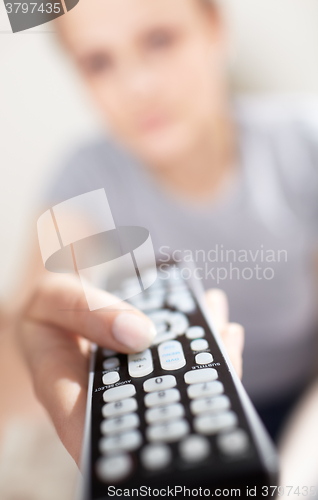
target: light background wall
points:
(45, 112)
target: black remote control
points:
(176, 415)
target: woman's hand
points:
(56, 329)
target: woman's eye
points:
(97, 63)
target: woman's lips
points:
(153, 123)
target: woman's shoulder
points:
(93, 164)
(286, 128)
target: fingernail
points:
(133, 331)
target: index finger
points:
(59, 300)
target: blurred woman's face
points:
(155, 68)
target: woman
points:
(230, 184)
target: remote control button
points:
(128, 441)
(164, 413)
(178, 322)
(207, 389)
(163, 337)
(115, 468)
(156, 456)
(194, 448)
(108, 352)
(140, 364)
(195, 332)
(199, 345)
(203, 358)
(233, 443)
(111, 363)
(204, 375)
(168, 432)
(210, 405)
(120, 424)
(169, 322)
(181, 300)
(160, 383)
(119, 407)
(162, 397)
(171, 355)
(160, 320)
(210, 424)
(110, 378)
(117, 393)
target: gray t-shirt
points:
(255, 239)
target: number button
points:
(168, 432)
(233, 443)
(113, 469)
(119, 424)
(162, 397)
(211, 424)
(194, 448)
(119, 407)
(164, 413)
(156, 456)
(128, 441)
(204, 375)
(210, 405)
(207, 389)
(160, 383)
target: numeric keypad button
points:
(111, 378)
(160, 383)
(194, 448)
(117, 393)
(168, 432)
(162, 397)
(211, 424)
(128, 441)
(234, 443)
(203, 375)
(164, 413)
(140, 364)
(210, 405)
(115, 468)
(156, 456)
(119, 424)
(110, 363)
(128, 405)
(207, 389)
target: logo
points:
(28, 13)
(79, 236)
